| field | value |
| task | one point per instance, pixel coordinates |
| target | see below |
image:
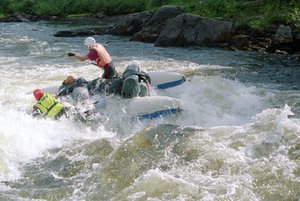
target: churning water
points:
(238, 137)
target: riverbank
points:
(254, 13)
(174, 26)
(171, 26)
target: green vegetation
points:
(256, 13)
(62, 8)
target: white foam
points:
(213, 101)
(23, 138)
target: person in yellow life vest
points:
(99, 54)
(47, 105)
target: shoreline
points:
(159, 27)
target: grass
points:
(257, 14)
(78, 15)
(269, 12)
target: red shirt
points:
(92, 55)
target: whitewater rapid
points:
(237, 138)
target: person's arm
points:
(80, 58)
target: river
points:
(238, 137)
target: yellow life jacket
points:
(49, 106)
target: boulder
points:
(283, 39)
(283, 35)
(82, 32)
(130, 24)
(152, 28)
(189, 29)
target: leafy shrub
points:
(124, 7)
(218, 8)
(157, 3)
(19, 6)
(4, 6)
(46, 7)
(264, 13)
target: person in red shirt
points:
(98, 53)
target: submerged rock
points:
(79, 33)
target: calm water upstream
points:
(238, 137)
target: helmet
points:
(90, 42)
(38, 94)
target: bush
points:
(4, 7)
(276, 11)
(48, 8)
(82, 6)
(158, 3)
(124, 7)
(260, 16)
(218, 8)
(19, 6)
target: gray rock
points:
(82, 32)
(152, 28)
(130, 24)
(188, 29)
(283, 35)
(283, 40)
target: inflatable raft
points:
(133, 92)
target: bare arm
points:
(80, 58)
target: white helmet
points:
(90, 42)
